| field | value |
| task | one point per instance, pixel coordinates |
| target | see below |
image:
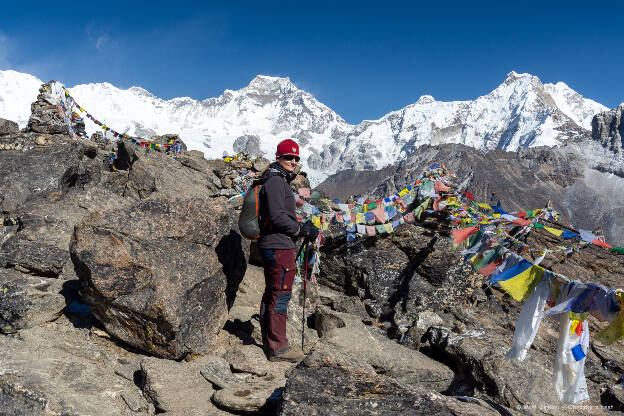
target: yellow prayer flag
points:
(389, 227)
(325, 226)
(486, 206)
(360, 218)
(554, 231)
(521, 286)
(496, 215)
(316, 220)
(365, 208)
(573, 326)
(615, 330)
(403, 192)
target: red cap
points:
(287, 147)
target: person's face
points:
(288, 162)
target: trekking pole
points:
(305, 279)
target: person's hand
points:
(309, 231)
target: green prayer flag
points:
(537, 225)
(618, 249)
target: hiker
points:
(277, 248)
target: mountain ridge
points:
(521, 112)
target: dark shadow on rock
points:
(273, 403)
(76, 311)
(242, 330)
(401, 293)
(232, 257)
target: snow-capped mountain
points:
(521, 112)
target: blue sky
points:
(363, 59)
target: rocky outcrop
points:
(28, 301)
(396, 275)
(331, 382)
(141, 288)
(608, 129)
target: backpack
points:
(249, 218)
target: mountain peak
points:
(513, 76)
(425, 99)
(141, 91)
(269, 84)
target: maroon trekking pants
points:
(279, 273)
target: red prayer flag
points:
(469, 196)
(489, 269)
(440, 187)
(600, 243)
(522, 222)
(521, 214)
(579, 329)
(464, 233)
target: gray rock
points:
(140, 288)
(608, 129)
(260, 164)
(16, 401)
(35, 256)
(248, 359)
(28, 301)
(404, 364)
(62, 369)
(248, 143)
(8, 127)
(261, 396)
(217, 371)
(174, 387)
(329, 382)
(134, 400)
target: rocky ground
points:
(126, 290)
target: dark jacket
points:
(278, 220)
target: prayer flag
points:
(486, 206)
(462, 234)
(569, 234)
(440, 187)
(380, 213)
(380, 229)
(600, 243)
(554, 231)
(513, 271)
(370, 230)
(521, 285)
(468, 195)
(389, 227)
(304, 192)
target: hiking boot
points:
(291, 355)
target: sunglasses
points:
(290, 157)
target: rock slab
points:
(143, 290)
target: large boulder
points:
(330, 382)
(159, 274)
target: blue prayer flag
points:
(513, 271)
